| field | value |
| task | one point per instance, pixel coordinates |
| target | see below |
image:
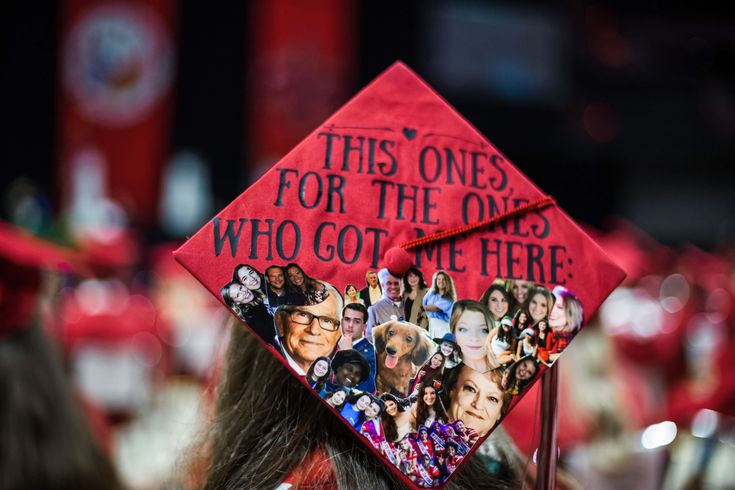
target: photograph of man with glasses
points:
(309, 331)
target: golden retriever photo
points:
(400, 349)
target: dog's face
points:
(401, 339)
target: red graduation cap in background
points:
(22, 258)
(398, 168)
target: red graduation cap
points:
(637, 253)
(398, 176)
(22, 257)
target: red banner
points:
(116, 75)
(302, 56)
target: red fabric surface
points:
(399, 109)
(22, 257)
(394, 163)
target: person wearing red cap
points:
(46, 442)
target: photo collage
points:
(420, 373)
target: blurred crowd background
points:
(128, 124)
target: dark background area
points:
(630, 110)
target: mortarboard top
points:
(375, 184)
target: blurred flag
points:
(116, 74)
(303, 56)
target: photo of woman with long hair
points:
(249, 277)
(519, 291)
(497, 300)
(438, 303)
(414, 290)
(501, 342)
(396, 418)
(423, 443)
(429, 372)
(539, 304)
(407, 455)
(448, 347)
(527, 345)
(521, 321)
(338, 398)
(372, 428)
(544, 341)
(318, 374)
(428, 408)
(471, 325)
(519, 375)
(249, 304)
(565, 320)
(299, 282)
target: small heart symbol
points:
(409, 133)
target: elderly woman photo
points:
(478, 399)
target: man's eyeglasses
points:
(305, 318)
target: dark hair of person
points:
(389, 422)
(550, 299)
(309, 283)
(509, 377)
(46, 442)
(320, 382)
(430, 373)
(422, 409)
(240, 310)
(517, 325)
(236, 278)
(542, 341)
(267, 422)
(347, 396)
(357, 307)
(414, 270)
(497, 287)
(356, 395)
(275, 267)
(505, 335)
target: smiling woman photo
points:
(539, 303)
(497, 300)
(471, 324)
(248, 304)
(478, 399)
(247, 276)
(438, 303)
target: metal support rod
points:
(547, 450)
